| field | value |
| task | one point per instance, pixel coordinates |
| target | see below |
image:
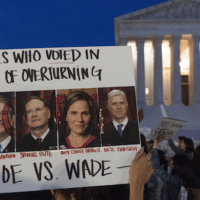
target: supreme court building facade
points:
(165, 42)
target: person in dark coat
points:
(182, 173)
(185, 148)
(37, 115)
(196, 163)
(122, 130)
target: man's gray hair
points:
(116, 93)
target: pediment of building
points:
(172, 9)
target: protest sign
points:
(167, 125)
(42, 92)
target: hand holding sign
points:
(159, 139)
(139, 174)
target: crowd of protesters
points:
(172, 175)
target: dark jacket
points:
(28, 143)
(152, 189)
(178, 151)
(129, 136)
(171, 184)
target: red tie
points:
(39, 140)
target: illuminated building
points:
(165, 46)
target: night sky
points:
(62, 23)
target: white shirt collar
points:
(43, 136)
(125, 122)
(5, 143)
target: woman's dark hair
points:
(163, 161)
(149, 145)
(196, 160)
(189, 144)
(101, 192)
(183, 168)
(66, 193)
(72, 98)
(181, 138)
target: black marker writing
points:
(92, 167)
(27, 56)
(9, 76)
(38, 170)
(90, 54)
(6, 174)
(70, 55)
(51, 73)
(4, 56)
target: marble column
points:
(176, 71)
(158, 71)
(196, 70)
(140, 73)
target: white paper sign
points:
(27, 171)
(53, 74)
(169, 126)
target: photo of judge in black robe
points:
(36, 117)
(121, 130)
